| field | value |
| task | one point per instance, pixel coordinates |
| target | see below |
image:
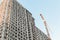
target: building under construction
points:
(17, 23)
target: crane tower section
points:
(46, 26)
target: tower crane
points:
(46, 26)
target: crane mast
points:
(46, 26)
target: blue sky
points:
(51, 11)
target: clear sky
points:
(51, 11)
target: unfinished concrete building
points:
(17, 23)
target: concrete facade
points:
(40, 35)
(17, 23)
